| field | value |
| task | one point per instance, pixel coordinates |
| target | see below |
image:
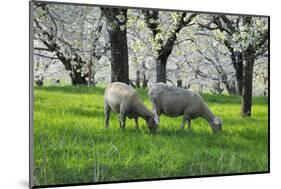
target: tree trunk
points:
(94, 79)
(238, 66)
(239, 79)
(51, 43)
(167, 47)
(161, 71)
(179, 83)
(231, 89)
(217, 88)
(200, 88)
(249, 58)
(237, 62)
(119, 54)
(230, 86)
(265, 91)
(90, 73)
(138, 79)
(77, 79)
(145, 81)
(117, 33)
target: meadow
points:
(71, 144)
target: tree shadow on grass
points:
(246, 121)
(76, 112)
(226, 99)
(73, 89)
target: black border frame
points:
(31, 96)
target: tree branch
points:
(42, 49)
(45, 56)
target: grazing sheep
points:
(174, 101)
(124, 100)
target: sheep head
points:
(152, 123)
(216, 125)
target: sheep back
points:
(174, 101)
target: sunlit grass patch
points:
(72, 145)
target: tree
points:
(117, 31)
(94, 44)
(63, 32)
(251, 47)
(140, 49)
(228, 28)
(208, 61)
(164, 48)
(40, 76)
(48, 36)
(229, 31)
(222, 72)
(246, 38)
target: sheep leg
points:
(122, 120)
(106, 115)
(137, 123)
(156, 117)
(183, 122)
(185, 118)
(188, 123)
(156, 111)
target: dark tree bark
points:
(39, 79)
(249, 58)
(265, 82)
(238, 66)
(179, 83)
(161, 75)
(230, 87)
(167, 47)
(145, 80)
(76, 77)
(138, 79)
(237, 62)
(217, 89)
(117, 33)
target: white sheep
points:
(122, 99)
(174, 101)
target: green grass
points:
(72, 145)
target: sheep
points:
(174, 101)
(122, 99)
